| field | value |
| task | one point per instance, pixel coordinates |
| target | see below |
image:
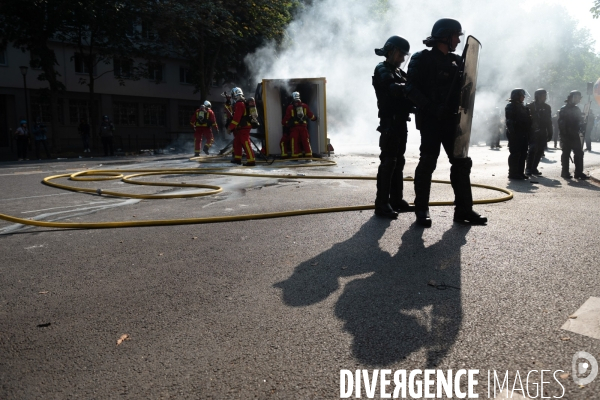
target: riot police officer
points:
(518, 129)
(394, 109)
(432, 87)
(570, 123)
(541, 130)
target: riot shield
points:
(468, 84)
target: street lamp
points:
(23, 69)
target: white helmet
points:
(296, 96)
(237, 93)
(207, 104)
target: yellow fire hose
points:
(102, 175)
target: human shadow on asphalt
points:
(582, 185)
(391, 312)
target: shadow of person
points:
(576, 183)
(521, 186)
(391, 312)
(314, 280)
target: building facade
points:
(150, 112)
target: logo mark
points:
(582, 368)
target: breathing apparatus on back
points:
(298, 109)
(252, 111)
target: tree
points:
(595, 10)
(30, 26)
(215, 35)
(102, 32)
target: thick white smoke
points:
(336, 39)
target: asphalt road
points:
(276, 308)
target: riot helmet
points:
(237, 93)
(540, 95)
(207, 104)
(574, 97)
(442, 31)
(394, 42)
(517, 93)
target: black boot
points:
(423, 218)
(385, 210)
(582, 176)
(470, 216)
(566, 175)
(205, 149)
(196, 154)
(401, 206)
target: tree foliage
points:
(30, 25)
(215, 35)
(595, 10)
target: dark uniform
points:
(394, 109)
(589, 128)
(541, 132)
(430, 86)
(518, 130)
(570, 123)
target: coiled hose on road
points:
(102, 175)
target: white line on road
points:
(75, 205)
(86, 210)
(32, 197)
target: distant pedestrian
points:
(106, 134)
(39, 136)
(84, 131)
(22, 134)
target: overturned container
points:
(274, 95)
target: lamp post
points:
(24, 73)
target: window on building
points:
(3, 60)
(184, 75)
(80, 66)
(125, 113)
(78, 110)
(122, 68)
(155, 72)
(40, 108)
(36, 60)
(155, 114)
(185, 113)
(148, 31)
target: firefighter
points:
(240, 126)
(296, 117)
(203, 120)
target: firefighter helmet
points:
(237, 93)
(394, 42)
(207, 104)
(296, 96)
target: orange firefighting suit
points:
(240, 125)
(203, 128)
(298, 133)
